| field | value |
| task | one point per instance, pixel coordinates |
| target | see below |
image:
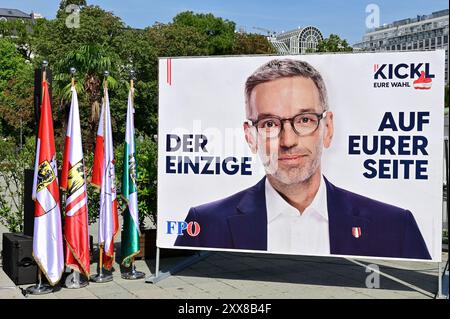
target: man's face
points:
(289, 158)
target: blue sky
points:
(345, 18)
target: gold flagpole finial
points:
(132, 78)
(44, 77)
(72, 72)
(44, 70)
(105, 83)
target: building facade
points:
(13, 14)
(426, 32)
(297, 41)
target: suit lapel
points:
(343, 217)
(249, 226)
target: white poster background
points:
(206, 96)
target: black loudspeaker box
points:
(17, 259)
(28, 209)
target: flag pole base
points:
(101, 278)
(75, 281)
(39, 289)
(189, 261)
(133, 275)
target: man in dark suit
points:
(294, 209)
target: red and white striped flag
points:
(76, 231)
(47, 239)
(104, 176)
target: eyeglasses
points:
(303, 124)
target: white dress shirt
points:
(289, 232)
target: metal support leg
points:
(157, 262)
(75, 281)
(40, 288)
(160, 275)
(439, 293)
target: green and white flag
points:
(130, 230)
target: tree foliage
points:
(103, 42)
(219, 33)
(16, 92)
(333, 44)
(13, 161)
(248, 43)
(64, 3)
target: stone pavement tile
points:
(250, 275)
(196, 280)
(8, 289)
(214, 285)
(131, 285)
(278, 287)
(206, 269)
(242, 283)
(202, 295)
(47, 296)
(153, 294)
(185, 292)
(231, 266)
(386, 294)
(317, 278)
(65, 293)
(10, 293)
(257, 292)
(414, 294)
(105, 289)
(314, 292)
(336, 292)
(322, 293)
(122, 295)
(298, 290)
(172, 281)
(228, 294)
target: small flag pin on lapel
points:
(356, 232)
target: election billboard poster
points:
(314, 155)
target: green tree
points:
(90, 62)
(64, 3)
(52, 39)
(177, 40)
(90, 49)
(13, 161)
(10, 62)
(219, 32)
(16, 92)
(333, 44)
(250, 43)
(20, 33)
(137, 52)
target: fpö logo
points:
(402, 74)
(177, 227)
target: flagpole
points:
(101, 277)
(40, 288)
(132, 274)
(74, 280)
(72, 72)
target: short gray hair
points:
(284, 68)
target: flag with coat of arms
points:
(104, 178)
(76, 225)
(47, 237)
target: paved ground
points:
(239, 275)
